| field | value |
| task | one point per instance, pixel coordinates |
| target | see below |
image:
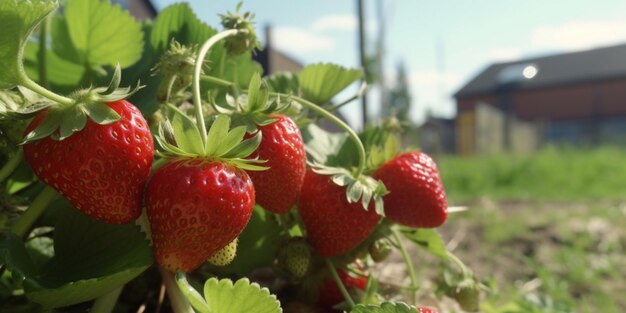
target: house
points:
(576, 98)
(437, 136)
(140, 9)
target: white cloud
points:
(579, 35)
(504, 54)
(317, 37)
(342, 22)
(300, 41)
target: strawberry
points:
(225, 255)
(295, 257)
(416, 196)
(329, 293)
(278, 188)
(426, 310)
(202, 198)
(196, 207)
(333, 224)
(467, 295)
(101, 169)
(379, 250)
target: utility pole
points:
(361, 16)
(380, 55)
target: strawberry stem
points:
(191, 294)
(464, 270)
(178, 301)
(359, 95)
(33, 86)
(353, 136)
(216, 80)
(342, 287)
(197, 100)
(36, 208)
(106, 303)
(409, 265)
(11, 165)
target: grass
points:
(546, 229)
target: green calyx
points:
(243, 41)
(254, 108)
(181, 138)
(362, 187)
(63, 120)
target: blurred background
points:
(523, 105)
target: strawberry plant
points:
(206, 175)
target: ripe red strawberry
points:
(416, 196)
(102, 169)
(333, 225)
(196, 207)
(329, 293)
(426, 310)
(278, 188)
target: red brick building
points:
(575, 97)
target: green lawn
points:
(551, 174)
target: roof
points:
(549, 71)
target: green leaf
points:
(40, 249)
(17, 21)
(186, 134)
(101, 113)
(385, 307)
(283, 82)
(321, 145)
(238, 69)
(242, 297)
(321, 82)
(21, 178)
(427, 239)
(180, 22)
(141, 71)
(17, 258)
(61, 42)
(102, 33)
(91, 259)
(61, 72)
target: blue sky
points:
(443, 43)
